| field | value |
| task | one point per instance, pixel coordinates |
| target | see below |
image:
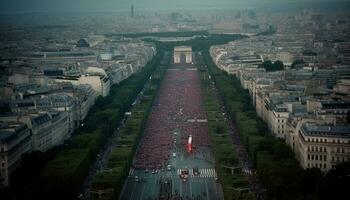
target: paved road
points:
(166, 183)
(146, 184)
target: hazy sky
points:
(103, 5)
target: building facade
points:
(14, 141)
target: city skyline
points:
(25, 6)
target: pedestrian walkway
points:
(247, 171)
(203, 173)
(131, 172)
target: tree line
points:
(127, 141)
(60, 172)
(224, 152)
(277, 168)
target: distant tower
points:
(132, 11)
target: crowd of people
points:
(178, 105)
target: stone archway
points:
(183, 58)
(183, 54)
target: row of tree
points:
(224, 152)
(127, 141)
(163, 34)
(279, 172)
(61, 172)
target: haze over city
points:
(174, 99)
(122, 5)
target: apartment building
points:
(14, 141)
(321, 145)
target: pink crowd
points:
(178, 105)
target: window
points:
(308, 156)
(316, 157)
(325, 158)
(325, 165)
(312, 157)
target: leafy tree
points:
(269, 66)
(335, 184)
(281, 150)
(278, 65)
(219, 129)
(297, 63)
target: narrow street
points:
(102, 157)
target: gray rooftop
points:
(326, 130)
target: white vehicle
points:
(196, 171)
(174, 155)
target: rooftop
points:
(41, 119)
(9, 131)
(311, 129)
(182, 48)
